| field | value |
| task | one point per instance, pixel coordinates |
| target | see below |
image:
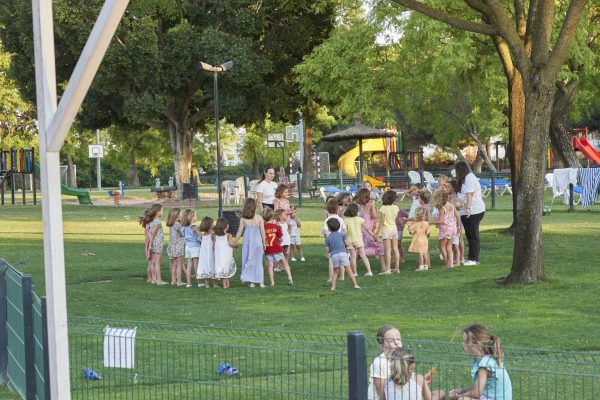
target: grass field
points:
(435, 304)
(105, 272)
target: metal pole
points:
(357, 366)
(493, 191)
(283, 155)
(299, 185)
(360, 162)
(98, 167)
(218, 145)
(301, 129)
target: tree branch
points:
(520, 19)
(452, 20)
(566, 37)
(531, 14)
(505, 57)
(541, 33)
(477, 5)
(509, 35)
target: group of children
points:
(392, 374)
(208, 247)
(210, 242)
(349, 234)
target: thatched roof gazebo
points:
(358, 132)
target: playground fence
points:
(118, 359)
(182, 361)
(23, 335)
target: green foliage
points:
(17, 126)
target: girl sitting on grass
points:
(404, 384)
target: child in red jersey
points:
(274, 251)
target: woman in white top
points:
(469, 191)
(265, 189)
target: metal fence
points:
(23, 335)
(186, 362)
(182, 361)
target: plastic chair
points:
(549, 177)
(429, 179)
(252, 188)
(414, 177)
(230, 192)
(242, 188)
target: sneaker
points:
(303, 259)
(262, 285)
(385, 273)
(201, 285)
(294, 259)
(277, 270)
(441, 257)
(421, 268)
(470, 262)
(369, 274)
(426, 267)
(188, 286)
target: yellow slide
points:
(347, 162)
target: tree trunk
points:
(307, 173)
(559, 134)
(134, 175)
(528, 257)
(478, 163)
(516, 131)
(181, 145)
(71, 176)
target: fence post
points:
(299, 185)
(45, 346)
(245, 187)
(493, 191)
(357, 366)
(571, 194)
(28, 340)
(3, 332)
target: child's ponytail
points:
(402, 359)
(496, 349)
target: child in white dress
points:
(281, 217)
(225, 266)
(403, 383)
(206, 261)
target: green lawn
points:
(432, 305)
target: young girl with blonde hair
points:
(449, 224)
(491, 380)
(355, 225)
(388, 213)
(404, 384)
(155, 240)
(420, 231)
(192, 244)
(176, 247)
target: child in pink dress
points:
(448, 222)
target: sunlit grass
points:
(558, 313)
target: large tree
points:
(532, 48)
(151, 76)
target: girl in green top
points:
(387, 225)
(355, 237)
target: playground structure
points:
(581, 143)
(395, 160)
(15, 163)
(20, 163)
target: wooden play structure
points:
(16, 166)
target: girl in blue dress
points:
(487, 369)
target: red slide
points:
(586, 148)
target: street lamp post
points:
(215, 71)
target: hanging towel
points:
(562, 178)
(589, 178)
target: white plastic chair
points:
(414, 177)
(549, 180)
(230, 192)
(429, 179)
(453, 173)
(242, 188)
(252, 188)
